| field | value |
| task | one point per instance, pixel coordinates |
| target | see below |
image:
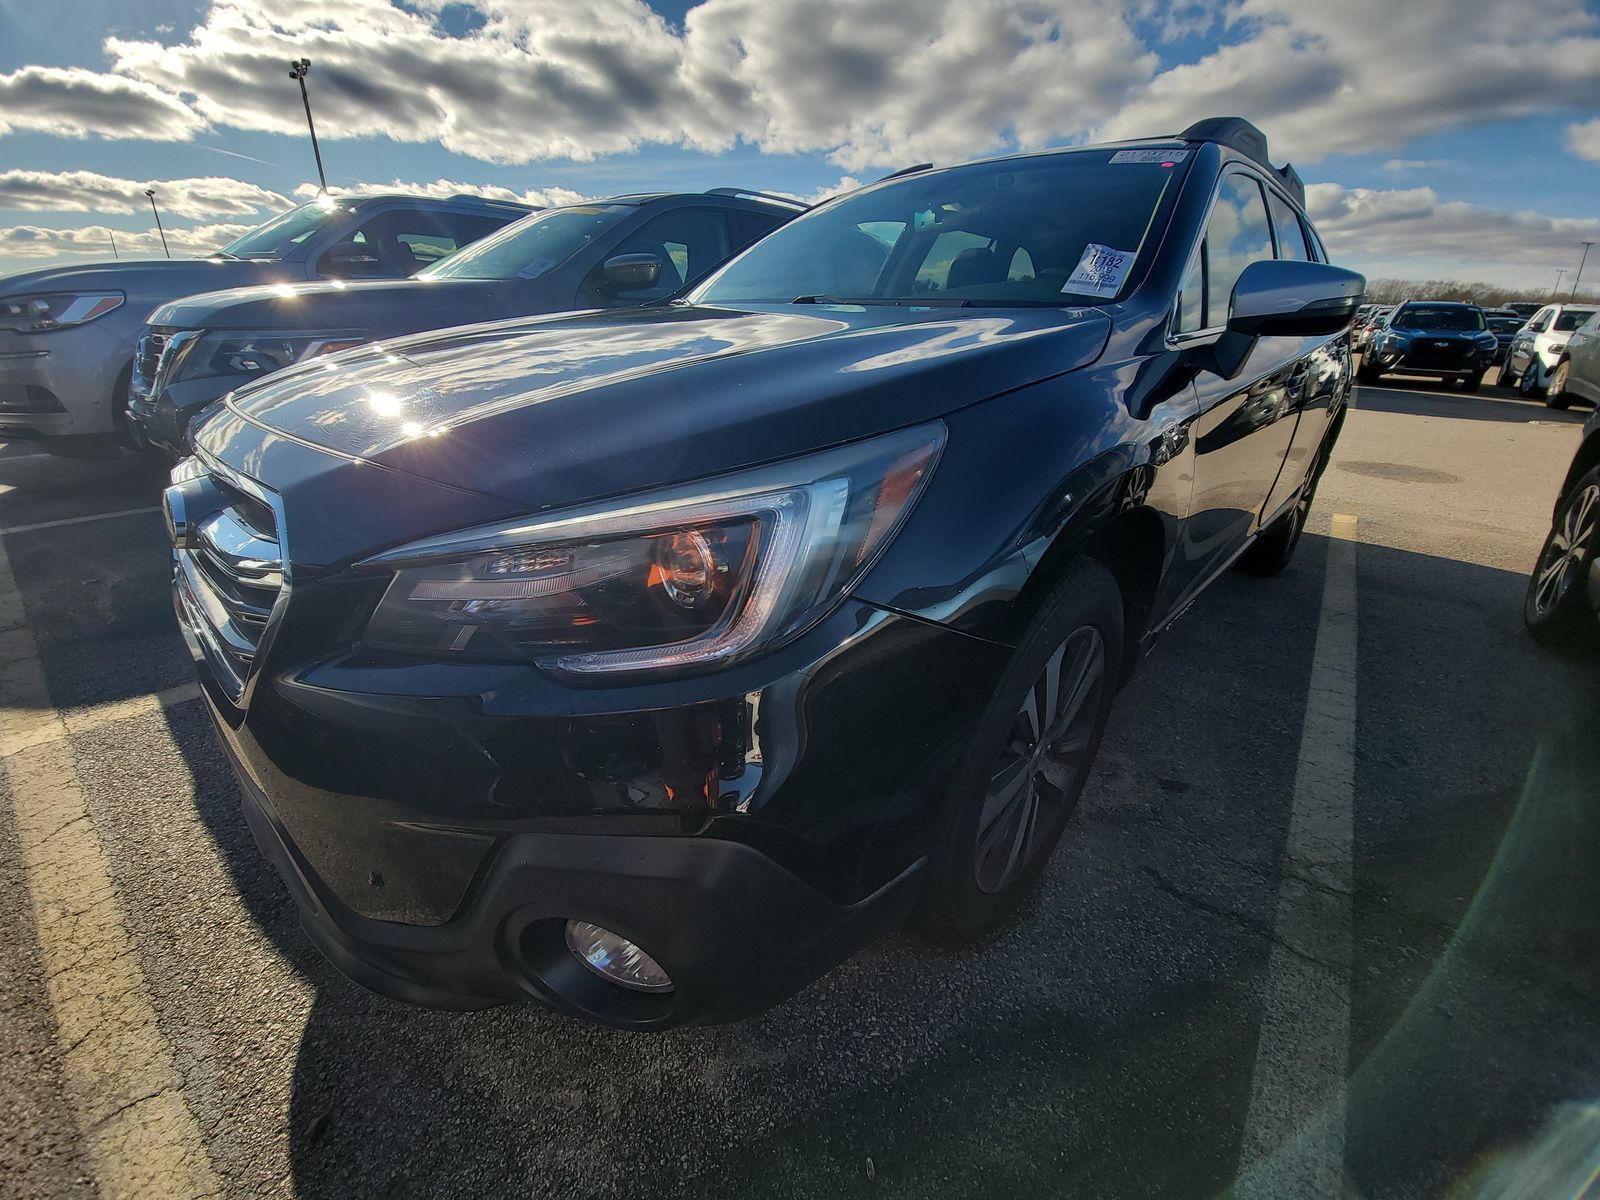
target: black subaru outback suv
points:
(644, 663)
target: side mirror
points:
(350, 259)
(630, 273)
(1285, 299)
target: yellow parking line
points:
(141, 1138)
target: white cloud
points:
(86, 191)
(1363, 75)
(1583, 139)
(32, 241)
(1411, 233)
(74, 102)
(872, 85)
(1397, 166)
(440, 188)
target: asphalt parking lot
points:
(1324, 923)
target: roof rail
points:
(474, 198)
(1238, 134)
(912, 170)
(752, 194)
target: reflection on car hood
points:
(555, 410)
(383, 306)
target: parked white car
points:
(1537, 346)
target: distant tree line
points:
(1489, 295)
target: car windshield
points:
(1443, 318)
(283, 233)
(1569, 319)
(1056, 229)
(1505, 324)
(531, 246)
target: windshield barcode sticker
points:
(1149, 156)
(1100, 271)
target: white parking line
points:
(105, 516)
(1293, 1143)
(139, 1132)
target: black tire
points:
(997, 830)
(1555, 392)
(1471, 383)
(1556, 608)
(1274, 547)
(1369, 372)
(1528, 384)
(1506, 378)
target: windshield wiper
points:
(819, 298)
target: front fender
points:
(1021, 476)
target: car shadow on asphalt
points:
(1103, 1042)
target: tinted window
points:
(751, 226)
(1236, 236)
(1192, 298)
(1458, 318)
(286, 232)
(690, 243)
(1291, 238)
(954, 236)
(532, 245)
(1569, 319)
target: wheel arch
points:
(1585, 460)
(1129, 537)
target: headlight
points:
(686, 578)
(58, 310)
(211, 355)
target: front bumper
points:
(60, 383)
(439, 825)
(1442, 363)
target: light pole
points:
(1579, 279)
(1560, 271)
(151, 192)
(298, 70)
(113, 238)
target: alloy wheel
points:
(1047, 748)
(1567, 551)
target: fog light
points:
(612, 956)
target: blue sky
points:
(1458, 141)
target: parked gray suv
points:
(621, 252)
(67, 334)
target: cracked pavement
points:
(1103, 1045)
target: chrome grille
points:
(229, 580)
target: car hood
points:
(153, 278)
(381, 305)
(553, 411)
(1456, 335)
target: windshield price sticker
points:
(1149, 156)
(1100, 271)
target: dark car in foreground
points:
(68, 334)
(612, 253)
(1562, 606)
(645, 663)
(1442, 338)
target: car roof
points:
(460, 200)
